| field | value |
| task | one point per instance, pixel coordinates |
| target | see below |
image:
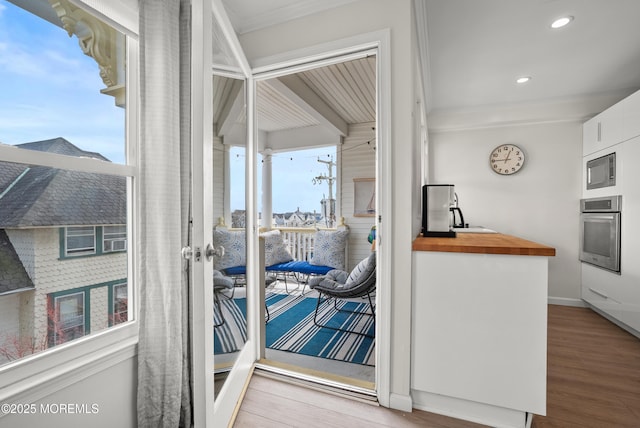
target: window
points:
(119, 304)
(93, 240)
(68, 319)
(66, 183)
(80, 241)
(114, 238)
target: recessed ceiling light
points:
(523, 79)
(561, 22)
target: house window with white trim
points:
(114, 238)
(80, 241)
(119, 304)
(68, 320)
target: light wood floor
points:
(593, 380)
(593, 376)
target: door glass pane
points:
(230, 328)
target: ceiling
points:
(475, 49)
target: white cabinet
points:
(603, 130)
(616, 124)
(631, 116)
(618, 295)
(479, 334)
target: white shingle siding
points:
(99, 309)
(39, 250)
(23, 241)
(219, 155)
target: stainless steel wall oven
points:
(600, 232)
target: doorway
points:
(329, 105)
(374, 46)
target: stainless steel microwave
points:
(601, 172)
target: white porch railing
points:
(299, 241)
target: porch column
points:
(267, 208)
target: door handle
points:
(212, 251)
(186, 252)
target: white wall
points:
(540, 203)
(108, 396)
(357, 160)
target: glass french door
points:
(221, 122)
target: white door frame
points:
(340, 51)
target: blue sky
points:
(292, 184)
(51, 89)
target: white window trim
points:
(114, 300)
(106, 239)
(40, 375)
(79, 252)
(57, 314)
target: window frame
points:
(112, 240)
(56, 298)
(37, 375)
(99, 248)
(112, 302)
(82, 252)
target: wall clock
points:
(506, 159)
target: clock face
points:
(506, 159)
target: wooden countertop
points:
(483, 243)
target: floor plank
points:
(593, 380)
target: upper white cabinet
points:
(603, 130)
(631, 116)
(618, 123)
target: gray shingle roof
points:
(42, 196)
(13, 276)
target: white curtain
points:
(164, 368)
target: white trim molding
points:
(566, 301)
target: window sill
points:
(40, 375)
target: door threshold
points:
(322, 381)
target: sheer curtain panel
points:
(164, 384)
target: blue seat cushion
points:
(300, 266)
(235, 270)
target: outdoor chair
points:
(221, 283)
(340, 285)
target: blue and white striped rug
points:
(291, 328)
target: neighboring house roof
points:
(13, 276)
(44, 196)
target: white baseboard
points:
(565, 301)
(473, 411)
(400, 402)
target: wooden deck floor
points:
(593, 381)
